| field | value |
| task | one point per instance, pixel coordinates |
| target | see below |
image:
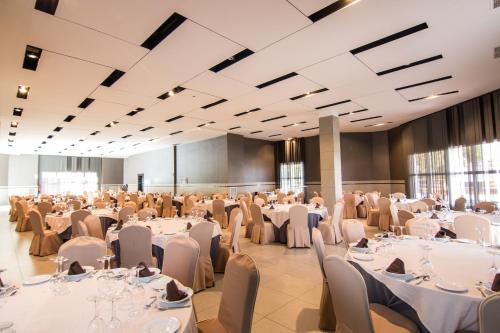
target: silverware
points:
(415, 278)
(174, 307)
(481, 290)
(424, 278)
(150, 304)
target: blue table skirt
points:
(379, 293)
(157, 251)
(280, 233)
(106, 222)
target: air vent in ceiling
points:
(497, 50)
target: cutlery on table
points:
(424, 278)
(174, 307)
(150, 304)
(481, 290)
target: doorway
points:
(140, 182)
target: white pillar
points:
(331, 167)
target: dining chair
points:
(372, 209)
(429, 202)
(120, 199)
(394, 214)
(473, 227)
(262, 231)
(297, 230)
(353, 231)
(86, 250)
(484, 205)
(202, 233)
(489, 308)
(317, 200)
(419, 206)
(399, 195)
(289, 199)
(135, 246)
(23, 220)
(280, 197)
(263, 196)
(350, 300)
(12, 212)
(259, 201)
(124, 213)
(78, 215)
(81, 229)
(327, 320)
(421, 227)
(77, 204)
(330, 230)
(361, 208)
(231, 245)
(168, 209)
(180, 260)
(188, 204)
(135, 199)
(349, 206)
(100, 204)
(145, 213)
(219, 212)
(44, 242)
(247, 219)
(404, 215)
(460, 204)
(385, 219)
(239, 292)
(94, 226)
(131, 204)
(44, 208)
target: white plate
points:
(160, 284)
(410, 237)
(455, 287)
(445, 239)
(363, 256)
(163, 325)
(358, 249)
(37, 279)
(164, 303)
(465, 241)
(88, 270)
(404, 277)
(148, 279)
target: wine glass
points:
(493, 270)
(426, 265)
(97, 324)
(57, 282)
(5, 326)
(112, 289)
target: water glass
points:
(97, 324)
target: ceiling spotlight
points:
(17, 112)
(231, 58)
(171, 93)
(432, 96)
(296, 124)
(10, 140)
(379, 124)
(32, 56)
(22, 91)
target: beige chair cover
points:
(45, 242)
(188, 204)
(330, 230)
(385, 219)
(262, 232)
(81, 229)
(135, 199)
(300, 197)
(350, 301)
(247, 219)
(399, 195)
(44, 208)
(202, 233)
(289, 199)
(86, 250)
(361, 209)
(94, 227)
(487, 206)
(106, 197)
(350, 206)
(419, 205)
(373, 198)
(394, 214)
(327, 320)
(120, 199)
(317, 200)
(263, 196)
(467, 226)
(281, 197)
(429, 202)
(489, 309)
(135, 246)
(152, 204)
(353, 231)
(168, 210)
(460, 204)
(219, 212)
(232, 245)
(77, 204)
(145, 213)
(131, 204)
(259, 201)
(404, 215)
(13, 212)
(181, 259)
(297, 230)
(78, 215)
(23, 220)
(124, 213)
(372, 211)
(421, 227)
(239, 293)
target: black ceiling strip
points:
(31, 57)
(214, 103)
(172, 23)
(333, 104)
(390, 38)
(233, 128)
(344, 114)
(12, 133)
(110, 142)
(132, 113)
(147, 128)
(112, 78)
(136, 144)
(254, 110)
(126, 136)
(271, 119)
(299, 123)
(330, 9)
(17, 112)
(232, 60)
(427, 97)
(86, 102)
(169, 93)
(449, 92)
(309, 129)
(47, 6)
(50, 136)
(255, 132)
(309, 94)
(174, 133)
(276, 80)
(95, 133)
(271, 136)
(357, 111)
(425, 82)
(416, 63)
(174, 118)
(58, 129)
(363, 119)
(69, 118)
(241, 114)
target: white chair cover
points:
(297, 230)
(421, 227)
(471, 226)
(202, 233)
(181, 259)
(353, 231)
(86, 250)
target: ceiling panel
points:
(309, 7)
(218, 85)
(289, 107)
(113, 95)
(429, 89)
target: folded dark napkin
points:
(203, 201)
(144, 272)
(418, 211)
(53, 211)
(397, 266)
(153, 216)
(434, 216)
(289, 202)
(148, 227)
(399, 200)
(75, 268)
(60, 213)
(173, 292)
(189, 226)
(209, 219)
(318, 205)
(271, 207)
(115, 210)
(1, 283)
(495, 286)
(363, 243)
(477, 210)
(119, 225)
(443, 232)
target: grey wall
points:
(157, 167)
(4, 170)
(112, 171)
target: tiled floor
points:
(289, 290)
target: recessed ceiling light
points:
(12, 133)
(22, 91)
(111, 124)
(17, 112)
(50, 136)
(81, 140)
(32, 56)
(154, 139)
(10, 145)
(10, 140)
(58, 129)
(432, 96)
(379, 124)
(171, 93)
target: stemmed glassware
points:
(57, 286)
(106, 260)
(5, 326)
(493, 270)
(426, 265)
(112, 288)
(482, 240)
(97, 324)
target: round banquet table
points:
(406, 204)
(208, 205)
(163, 229)
(37, 309)
(438, 310)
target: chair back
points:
(281, 197)
(218, 210)
(180, 259)
(394, 214)
(202, 233)
(81, 229)
(188, 203)
(239, 292)
(289, 199)
(484, 205)
(134, 198)
(259, 201)
(263, 196)
(256, 213)
(131, 204)
(429, 202)
(422, 227)
(298, 216)
(120, 199)
(319, 246)
(135, 245)
(384, 205)
(372, 198)
(21, 212)
(419, 205)
(300, 197)
(471, 226)
(151, 201)
(124, 213)
(399, 195)
(349, 296)
(489, 308)
(146, 212)
(86, 250)
(94, 226)
(317, 200)
(166, 200)
(106, 197)
(100, 204)
(404, 215)
(78, 215)
(353, 231)
(460, 204)
(36, 222)
(44, 208)
(246, 214)
(235, 227)
(77, 204)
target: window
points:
(292, 177)
(469, 171)
(73, 182)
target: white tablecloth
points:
(406, 204)
(440, 311)
(280, 213)
(164, 229)
(209, 207)
(36, 309)
(60, 223)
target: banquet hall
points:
(231, 166)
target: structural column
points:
(331, 170)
